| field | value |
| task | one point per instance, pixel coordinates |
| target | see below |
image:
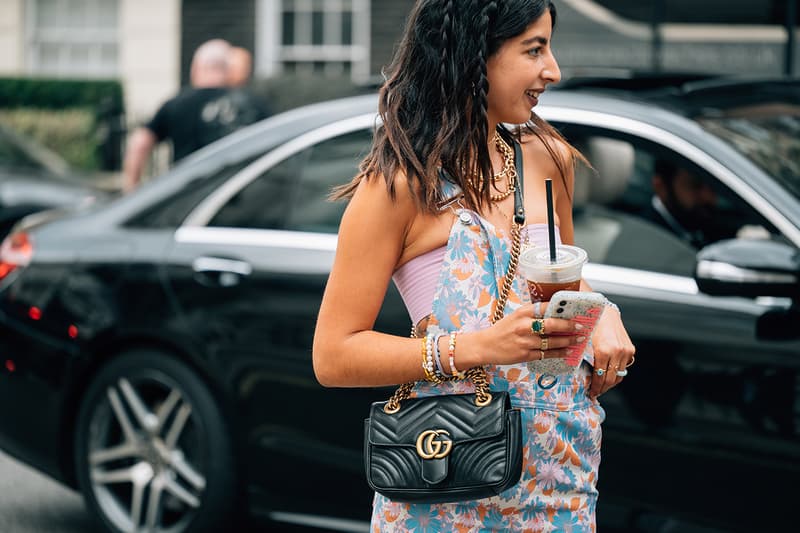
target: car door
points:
(707, 399)
(248, 269)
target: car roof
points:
(691, 94)
(651, 105)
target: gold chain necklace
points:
(508, 171)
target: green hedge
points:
(68, 132)
(103, 96)
(71, 117)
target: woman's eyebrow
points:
(539, 39)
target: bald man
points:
(200, 114)
(240, 66)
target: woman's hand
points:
(613, 352)
(512, 340)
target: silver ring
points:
(622, 373)
(537, 309)
(600, 371)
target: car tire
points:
(152, 449)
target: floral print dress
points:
(561, 424)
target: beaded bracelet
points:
(426, 368)
(451, 353)
(438, 358)
(428, 363)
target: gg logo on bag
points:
(430, 447)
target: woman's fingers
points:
(601, 375)
(538, 354)
(554, 342)
(552, 326)
(605, 377)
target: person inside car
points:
(462, 70)
(685, 204)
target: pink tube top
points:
(416, 280)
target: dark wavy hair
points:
(433, 103)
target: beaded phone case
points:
(584, 308)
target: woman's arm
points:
(373, 236)
(371, 240)
(612, 346)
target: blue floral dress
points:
(557, 491)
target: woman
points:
(464, 68)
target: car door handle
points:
(218, 264)
(217, 271)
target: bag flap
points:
(455, 413)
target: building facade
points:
(148, 44)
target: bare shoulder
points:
(373, 194)
(537, 146)
(376, 213)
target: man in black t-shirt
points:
(198, 115)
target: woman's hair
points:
(433, 103)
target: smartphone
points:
(584, 308)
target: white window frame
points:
(271, 53)
(94, 37)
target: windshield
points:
(17, 153)
(769, 135)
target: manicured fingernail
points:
(578, 327)
(579, 340)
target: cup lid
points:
(537, 259)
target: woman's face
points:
(518, 73)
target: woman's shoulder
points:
(394, 197)
(537, 143)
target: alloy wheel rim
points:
(144, 445)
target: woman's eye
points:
(535, 51)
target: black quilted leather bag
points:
(443, 448)
(455, 447)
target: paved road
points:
(33, 503)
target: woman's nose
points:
(551, 72)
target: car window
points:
(648, 208)
(329, 164)
(294, 193)
(172, 210)
(13, 157)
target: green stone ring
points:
(537, 326)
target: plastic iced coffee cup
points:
(546, 277)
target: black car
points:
(34, 179)
(157, 350)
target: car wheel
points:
(152, 450)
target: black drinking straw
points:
(551, 227)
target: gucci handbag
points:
(444, 448)
(448, 448)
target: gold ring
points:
(600, 371)
(633, 358)
(537, 326)
(541, 355)
(545, 342)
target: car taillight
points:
(16, 251)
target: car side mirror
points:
(749, 268)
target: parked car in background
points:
(157, 350)
(33, 179)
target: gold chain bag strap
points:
(451, 447)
